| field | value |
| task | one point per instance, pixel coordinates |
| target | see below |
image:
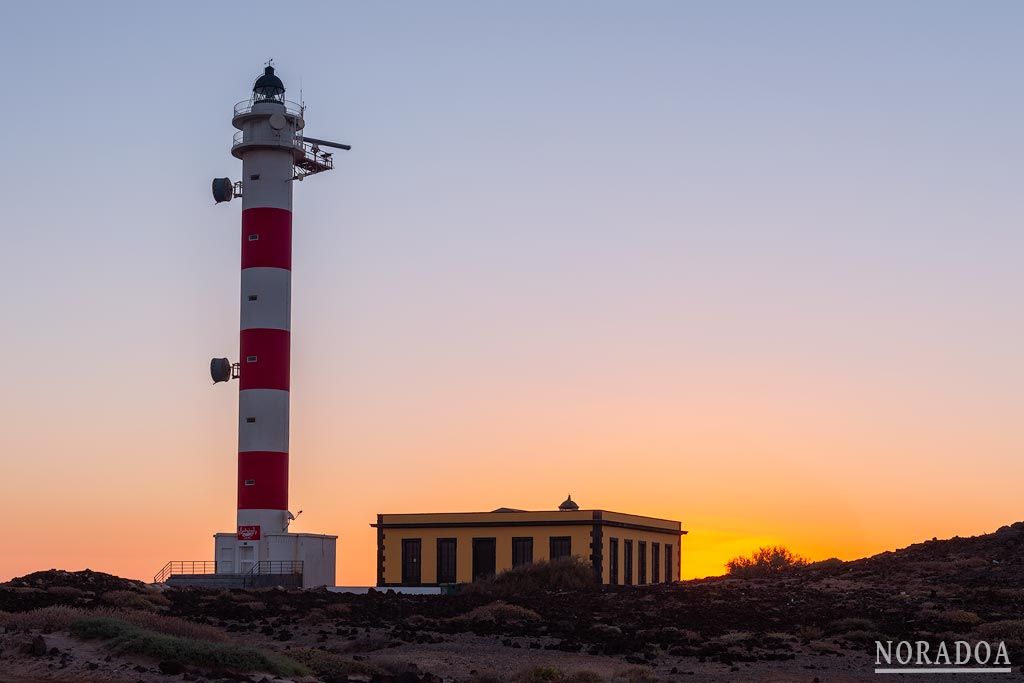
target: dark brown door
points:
(641, 561)
(627, 562)
(561, 547)
(613, 561)
(446, 548)
(410, 561)
(522, 551)
(483, 557)
(668, 564)
(655, 563)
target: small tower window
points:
(254, 176)
(250, 419)
(250, 482)
(250, 359)
(254, 237)
(253, 297)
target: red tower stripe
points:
(267, 238)
(267, 474)
(264, 359)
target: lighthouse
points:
(275, 154)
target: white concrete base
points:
(408, 590)
(317, 552)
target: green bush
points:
(569, 574)
(766, 561)
(130, 639)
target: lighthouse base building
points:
(262, 550)
(292, 560)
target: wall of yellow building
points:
(464, 536)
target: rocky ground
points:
(818, 623)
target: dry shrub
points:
(569, 574)
(417, 622)
(540, 674)
(1009, 629)
(52, 618)
(809, 633)
(959, 617)
(583, 677)
(852, 624)
(953, 618)
(314, 616)
(734, 637)
(862, 636)
(635, 674)
(970, 563)
(499, 612)
(330, 665)
(132, 600)
(766, 561)
(65, 591)
(486, 677)
(338, 608)
(60, 618)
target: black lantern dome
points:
(568, 504)
(268, 87)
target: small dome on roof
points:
(268, 86)
(568, 504)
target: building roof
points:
(505, 517)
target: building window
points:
(411, 561)
(627, 562)
(251, 359)
(613, 561)
(253, 297)
(655, 563)
(250, 420)
(641, 556)
(669, 576)
(522, 551)
(446, 554)
(483, 557)
(254, 237)
(561, 547)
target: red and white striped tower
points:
(269, 135)
(274, 154)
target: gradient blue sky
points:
(755, 266)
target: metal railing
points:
(185, 567)
(245, 106)
(272, 568)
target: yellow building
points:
(430, 549)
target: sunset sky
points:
(752, 266)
